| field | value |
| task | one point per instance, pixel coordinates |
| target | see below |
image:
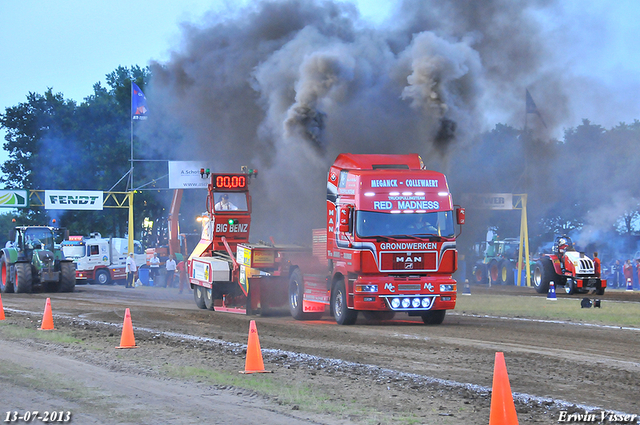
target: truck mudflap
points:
(316, 297)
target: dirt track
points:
(395, 372)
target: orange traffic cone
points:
(127, 340)
(503, 411)
(1, 310)
(253, 363)
(47, 318)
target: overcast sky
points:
(69, 45)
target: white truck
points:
(101, 260)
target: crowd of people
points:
(621, 272)
(171, 267)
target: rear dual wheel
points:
(198, 296)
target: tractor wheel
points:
(5, 275)
(102, 277)
(209, 300)
(379, 316)
(67, 277)
(341, 312)
(433, 317)
(543, 274)
(296, 293)
(493, 272)
(198, 296)
(570, 287)
(480, 273)
(23, 278)
(505, 273)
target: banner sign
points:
(488, 201)
(17, 198)
(73, 200)
(186, 175)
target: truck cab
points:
(390, 238)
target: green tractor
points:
(498, 262)
(33, 258)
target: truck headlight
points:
(366, 288)
(447, 287)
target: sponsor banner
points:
(17, 198)
(186, 175)
(488, 201)
(73, 200)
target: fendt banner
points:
(73, 200)
(186, 175)
(488, 201)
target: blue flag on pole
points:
(138, 103)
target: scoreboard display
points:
(229, 181)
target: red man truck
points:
(389, 246)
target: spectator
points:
(628, 272)
(596, 264)
(171, 269)
(182, 275)
(131, 270)
(154, 267)
(616, 269)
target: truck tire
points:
(198, 296)
(433, 317)
(599, 290)
(209, 299)
(67, 277)
(296, 292)
(342, 314)
(379, 316)
(5, 275)
(543, 273)
(102, 277)
(493, 272)
(505, 273)
(23, 278)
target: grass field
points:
(614, 313)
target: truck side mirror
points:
(345, 219)
(460, 215)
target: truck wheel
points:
(493, 272)
(67, 277)
(599, 290)
(543, 273)
(379, 316)
(5, 275)
(198, 296)
(505, 274)
(433, 317)
(102, 277)
(341, 312)
(209, 299)
(24, 279)
(296, 291)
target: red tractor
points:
(568, 268)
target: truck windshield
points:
(370, 224)
(230, 201)
(73, 251)
(34, 238)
